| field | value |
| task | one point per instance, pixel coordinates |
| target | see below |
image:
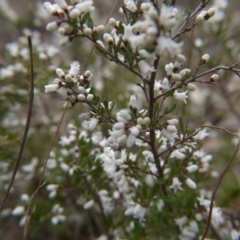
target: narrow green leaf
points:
(170, 109)
(85, 18)
(186, 14)
(181, 125)
(119, 44)
(105, 103)
(121, 28)
(169, 94)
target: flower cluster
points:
(134, 159)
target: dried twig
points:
(29, 116)
(221, 175)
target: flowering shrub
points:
(137, 159)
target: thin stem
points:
(41, 183)
(220, 177)
(27, 125)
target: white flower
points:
(201, 135)
(169, 135)
(128, 34)
(166, 47)
(173, 121)
(139, 212)
(123, 116)
(85, 7)
(167, 17)
(133, 102)
(130, 140)
(62, 4)
(145, 69)
(130, 5)
(181, 221)
(60, 72)
(51, 87)
(176, 185)
(181, 96)
(177, 154)
(74, 70)
(92, 123)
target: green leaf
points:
(121, 28)
(85, 18)
(96, 100)
(119, 44)
(169, 94)
(100, 49)
(181, 125)
(205, 2)
(105, 103)
(170, 109)
(186, 14)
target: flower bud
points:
(64, 41)
(87, 31)
(205, 58)
(211, 12)
(191, 87)
(60, 73)
(191, 183)
(81, 97)
(90, 97)
(75, 13)
(199, 18)
(52, 26)
(100, 29)
(214, 78)
(192, 168)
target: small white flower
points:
(74, 70)
(60, 72)
(62, 4)
(176, 185)
(201, 135)
(130, 5)
(169, 69)
(169, 135)
(145, 69)
(85, 7)
(181, 221)
(130, 140)
(133, 102)
(167, 17)
(181, 96)
(92, 123)
(51, 87)
(139, 212)
(173, 121)
(177, 154)
(166, 47)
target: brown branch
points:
(27, 125)
(221, 175)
